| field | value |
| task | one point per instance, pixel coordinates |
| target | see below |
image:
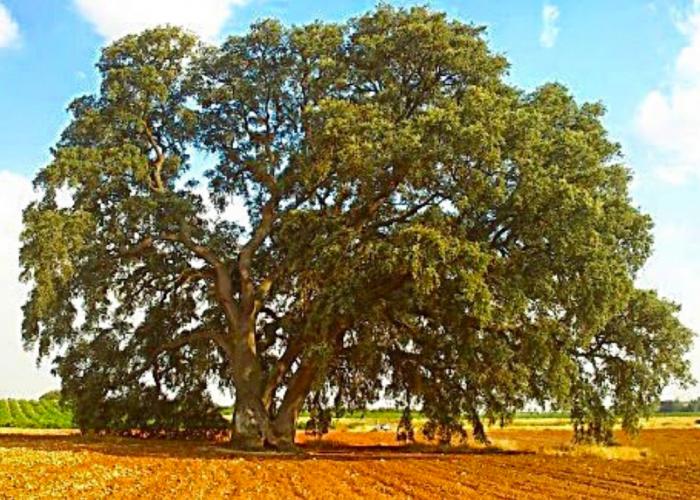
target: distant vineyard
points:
(42, 414)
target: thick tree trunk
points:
(251, 423)
(284, 429)
(251, 418)
(253, 429)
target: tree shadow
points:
(328, 450)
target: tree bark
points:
(253, 426)
(251, 419)
(251, 423)
(284, 429)
(254, 429)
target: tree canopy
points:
(415, 228)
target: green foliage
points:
(443, 428)
(416, 225)
(51, 396)
(677, 406)
(46, 413)
(320, 417)
(404, 430)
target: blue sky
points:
(640, 58)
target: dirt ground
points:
(661, 463)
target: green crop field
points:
(42, 414)
(47, 413)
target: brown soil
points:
(347, 465)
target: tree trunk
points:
(251, 423)
(251, 419)
(253, 429)
(284, 429)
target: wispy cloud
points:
(9, 29)
(113, 19)
(550, 30)
(668, 118)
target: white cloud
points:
(550, 30)
(19, 376)
(113, 19)
(673, 270)
(668, 118)
(9, 30)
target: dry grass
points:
(597, 451)
(616, 452)
(675, 422)
(655, 422)
(6, 431)
(370, 423)
(506, 444)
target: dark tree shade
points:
(416, 228)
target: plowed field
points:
(661, 463)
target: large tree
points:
(414, 228)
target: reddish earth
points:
(347, 464)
